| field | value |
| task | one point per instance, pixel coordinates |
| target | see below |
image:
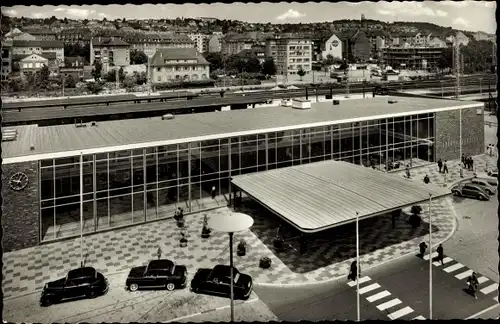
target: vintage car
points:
(79, 283)
(470, 190)
(218, 281)
(158, 274)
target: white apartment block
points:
(291, 55)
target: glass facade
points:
(135, 186)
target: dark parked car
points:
(83, 282)
(470, 190)
(218, 281)
(158, 274)
(381, 91)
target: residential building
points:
(482, 36)
(215, 43)
(39, 47)
(74, 67)
(200, 41)
(6, 59)
(235, 43)
(378, 40)
(292, 54)
(258, 52)
(149, 43)
(42, 34)
(110, 51)
(458, 37)
(401, 38)
(331, 46)
(75, 35)
(356, 46)
(30, 63)
(413, 57)
(17, 34)
(178, 64)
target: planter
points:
(180, 223)
(205, 232)
(241, 250)
(279, 245)
(183, 242)
(265, 263)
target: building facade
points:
(292, 54)
(148, 183)
(150, 42)
(29, 64)
(215, 44)
(40, 48)
(179, 64)
(200, 41)
(110, 52)
(421, 57)
(332, 46)
(6, 60)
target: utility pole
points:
(63, 81)
(117, 79)
(149, 75)
(457, 69)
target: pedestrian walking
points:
(471, 164)
(473, 283)
(408, 175)
(440, 252)
(427, 179)
(353, 273)
(423, 247)
(491, 149)
(440, 165)
(445, 167)
(463, 159)
(213, 192)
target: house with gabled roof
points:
(178, 64)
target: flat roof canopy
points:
(109, 136)
(318, 196)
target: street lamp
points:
(430, 257)
(230, 223)
(81, 209)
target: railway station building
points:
(140, 170)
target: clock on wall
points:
(18, 181)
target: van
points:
(483, 183)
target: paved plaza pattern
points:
(117, 251)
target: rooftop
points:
(189, 53)
(317, 196)
(108, 41)
(109, 136)
(38, 43)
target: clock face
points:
(18, 181)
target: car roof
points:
(160, 264)
(224, 270)
(85, 272)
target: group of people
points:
(443, 167)
(472, 281)
(490, 149)
(468, 162)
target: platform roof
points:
(318, 196)
(109, 136)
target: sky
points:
(466, 15)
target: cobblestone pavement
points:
(27, 270)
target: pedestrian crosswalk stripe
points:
(489, 289)
(400, 313)
(378, 296)
(419, 317)
(464, 274)
(454, 267)
(434, 254)
(445, 261)
(482, 279)
(361, 280)
(369, 288)
(389, 304)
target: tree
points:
(94, 87)
(110, 76)
(268, 67)
(69, 82)
(301, 73)
(96, 71)
(216, 61)
(129, 82)
(121, 74)
(446, 59)
(252, 65)
(138, 57)
(141, 78)
(329, 60)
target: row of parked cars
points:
(86, 282)
(481, 187)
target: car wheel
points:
(170, 286)
(92, 294)
(457, 193)
(133, 287)
(480, 197)
(46, 302)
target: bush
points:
(265, 263)
(183, 85)
(416, 209)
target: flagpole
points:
(81, 208)
(430, 257)
(357, 265)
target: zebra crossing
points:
(384, 300)
(486, 286)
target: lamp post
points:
(81, 209)
(357, 267)
(230, 223)
(430, 257)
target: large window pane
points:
(47, 183)
(121, 210)
(48, 227)
(138, 208)
(152, 200)
(183, 166)
(138, 172)
(103, 220)
(67, 220)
